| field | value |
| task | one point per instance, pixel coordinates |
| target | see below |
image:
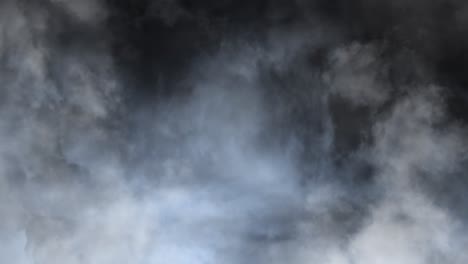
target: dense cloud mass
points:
(190, 132)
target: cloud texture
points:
(294, 146)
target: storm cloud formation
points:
(178, 132)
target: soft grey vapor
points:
(268, 158)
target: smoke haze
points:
(175, 132)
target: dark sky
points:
(171, 32)
(160, 39)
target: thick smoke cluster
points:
(299, 143)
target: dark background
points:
(163, 36)
(157, 41)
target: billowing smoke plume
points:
(230, 137)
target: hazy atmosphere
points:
(233, 132)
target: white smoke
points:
(198, 178)
(357, 75)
